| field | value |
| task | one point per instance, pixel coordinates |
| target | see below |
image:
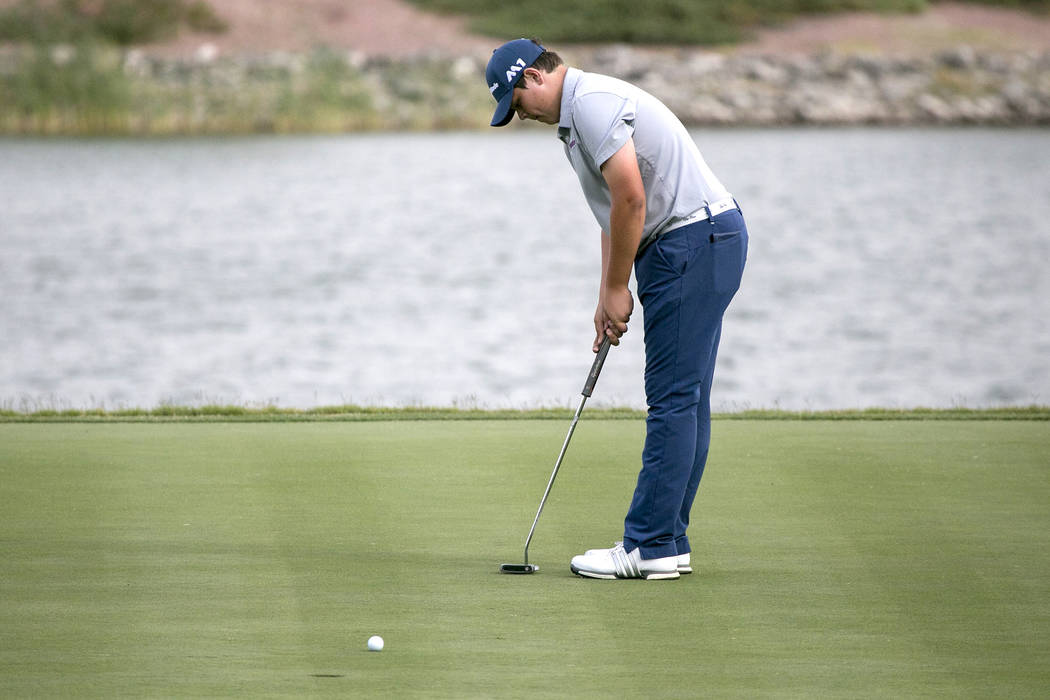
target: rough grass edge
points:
(351, 413)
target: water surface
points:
(887, 268)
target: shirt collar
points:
(568, 95)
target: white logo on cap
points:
(514, 69)
(492, 88)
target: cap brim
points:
(503, 113)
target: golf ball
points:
(375, 643)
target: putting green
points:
(850, 559)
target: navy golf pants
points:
(685, 282)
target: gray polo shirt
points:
(598, 115)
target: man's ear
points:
(534, 74)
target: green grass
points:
(836, 559)
(34, 413)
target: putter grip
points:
(596, 368)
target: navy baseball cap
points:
(504, 69)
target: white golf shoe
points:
(684, 566)
(618, 563)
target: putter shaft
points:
(588, 387)
(554, 474)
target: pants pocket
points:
(674, 251)
(662, 263)
(729, 253)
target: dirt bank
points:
(398, 29)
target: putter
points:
(588, 387)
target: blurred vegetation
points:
(707, 22)
(70, 91)
(121, 22)
(96, 89)
(90, 88)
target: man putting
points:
(662, 210)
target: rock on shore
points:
(958, 86)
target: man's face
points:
(535, 102)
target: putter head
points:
(518, 568)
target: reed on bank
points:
(276, 414)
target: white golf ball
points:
(375, 643)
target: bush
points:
(122, 22)
(1032, 5)
(660, 21)
(128, 22)
(200, 17)
(43, 23)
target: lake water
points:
(889, 268)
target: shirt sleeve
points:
(604, 122)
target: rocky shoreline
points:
(330, 90)
(957, 86)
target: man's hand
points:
(614, 311)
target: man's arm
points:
(626, 221)
(600, 319)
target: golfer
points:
(662, 211)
